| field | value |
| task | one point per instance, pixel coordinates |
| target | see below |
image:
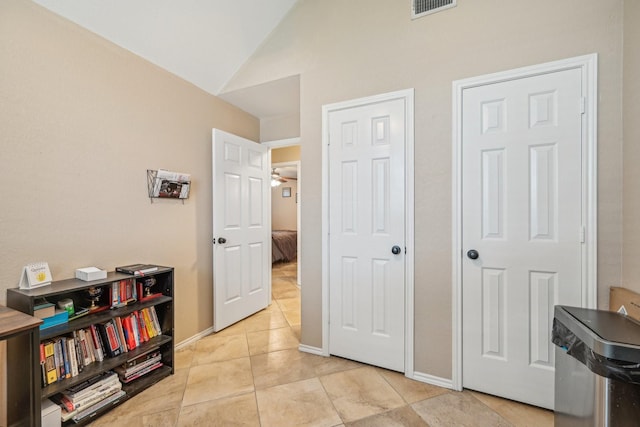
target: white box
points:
(90, 273)
(51, 414)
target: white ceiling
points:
(202, 41)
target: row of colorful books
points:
(84, 399)
(124, 292)
(67, 355)
(126, 333)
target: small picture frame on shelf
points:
(286, 191)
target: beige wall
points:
(631, 108)
(284, 212)
(349, 49)
(285, 154)
(276, 128)
(81, 121)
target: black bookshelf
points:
(24, 300)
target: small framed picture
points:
(286, 191)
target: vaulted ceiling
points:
(202, 41)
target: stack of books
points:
(140, 365)
(85, 399)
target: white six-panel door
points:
(366, 220)
(241, 229)
(522, 212)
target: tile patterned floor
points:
(252, 374)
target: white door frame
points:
(407, 96)
(588, 64)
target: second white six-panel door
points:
(522, 204)
(366, 217)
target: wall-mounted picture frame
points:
(286, 191)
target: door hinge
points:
(583, 105)
(583, 233)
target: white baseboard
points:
(313, 350)
(194, 338)
(433, 380)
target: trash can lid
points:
(608, 333)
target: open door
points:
(241, 228)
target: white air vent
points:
(424, 7)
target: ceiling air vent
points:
(424, 7)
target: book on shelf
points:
(137, 269)
(110, 338)
(87, 385)
(82, 398)
(96, 344)
(140, 365)
(43, 365)
(123, 292)
(57, 358)
(66, 415)
(60, 317)
(73, 360)
(129, 335)
(84, 347)
(65, 361)
(133, 322)
(92, 410)
(50, 363)
(121, 337)
(96, 395)
(78, 349)
(142, 328)
(81, 311)
(44, 309)
(142, 373)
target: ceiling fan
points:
(276, 179)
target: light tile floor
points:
(252, 374)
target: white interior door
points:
(241, 228)
(522, 213)
(366, 221)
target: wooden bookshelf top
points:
(73, 284)
(13, 322)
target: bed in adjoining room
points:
(284, 244)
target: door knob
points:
(396, 250)
(473, 254)
(222, 240)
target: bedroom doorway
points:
(285, 213)
(286, 186)
(286, 230)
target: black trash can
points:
(597, 378)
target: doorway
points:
(285, 207)
(286, 198)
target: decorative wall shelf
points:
(163, 184)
